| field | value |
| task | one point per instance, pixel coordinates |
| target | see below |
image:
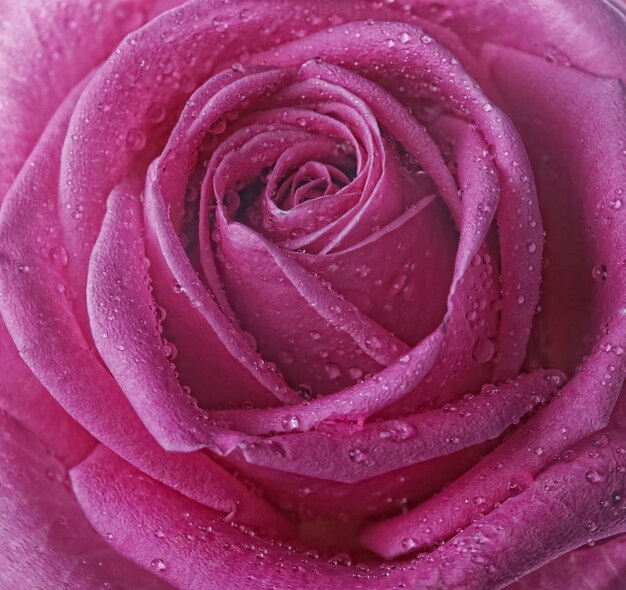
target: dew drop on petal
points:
(356, 455)
(58, 256)
(158, 564)
(599, 272)
(136, 139)
(483, 350)
(332, 371)
(568, 456)
(290, 423)
(593, 476)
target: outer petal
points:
(599, 567)
(45, 49)
(573, 125)
(45, 540)
(26, 399)
(583, 407)
(588, 35)
(194, 550)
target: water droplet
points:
(556, 380)
(58, 256)
(250, 339)
(136, 139)
(520, 299)
(332, 371)
(601, 440)
(426, 39)
(109, 536)
(599, 272)
(220, 24)
(404, 37)
(304, 391)
(232, 202)
(408, 543)
(159, 534)
(341, 559)
(397, 285)
(568, 456)
(362, 271)
(290, 423)
(616, 204)
(483, 350)
(592, 476)
(156, 113)
(218, 127)
(301, 122)
(555, 55)
(404, 359)
(397, 431)
(170, 350)
(158, 564)
(487, 107)
(356, 455)
(372, 342)
(315, 336)
(592, 526)
(531, 247)
(23, 268)
(355, 373)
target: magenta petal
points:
(124, 324)
(568, 505)
(345, 455)
(259, 278)
(66, 366)
(194, 549)
(245, 377)
(570, 121)
(24, 398)
(47, 48)
(46, 539)
(312, 498)
(394, 296)
(591, 36)
(516, 461)
(598, 567)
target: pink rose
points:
(312, 294)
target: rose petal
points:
(601, 567)
(26, 400)
(316, 318)
(583, 406)
(572, 127)
(45, 536)
(195, 549)
(56, 45)
(575, 503)
(345, 455)
(393, 295)
(36, 311)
